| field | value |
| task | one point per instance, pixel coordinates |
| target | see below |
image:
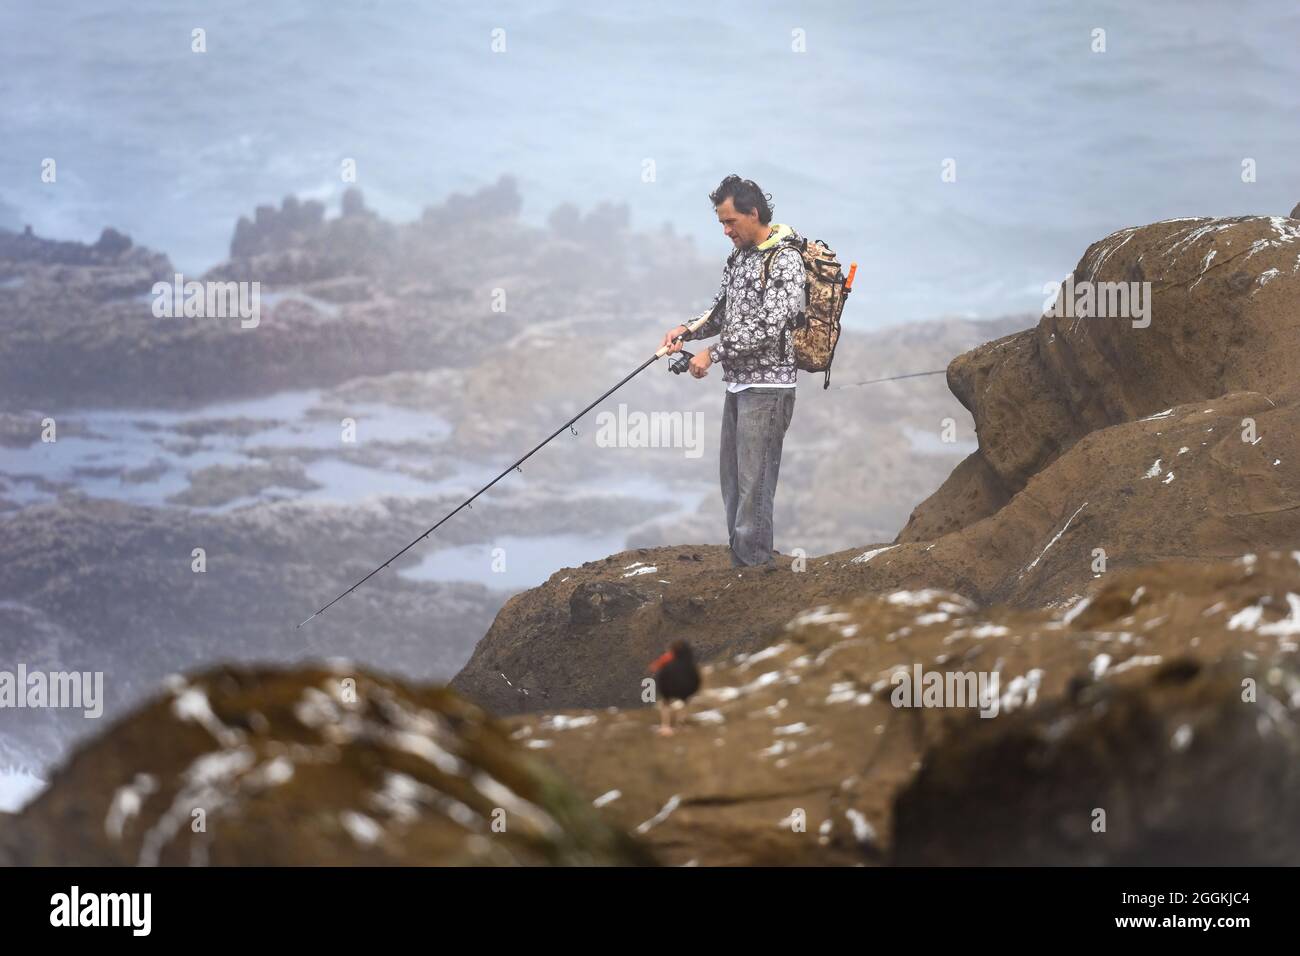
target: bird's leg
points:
(665, 719)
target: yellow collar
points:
(781, 231)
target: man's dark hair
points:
(745, 196)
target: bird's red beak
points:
(654, 668)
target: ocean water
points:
(155, 441)
(514, 562)
(18, 788)
(1055, 145)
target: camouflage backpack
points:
(816, 329)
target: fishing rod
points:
(680, 363)
(891, 378)
(678, 366)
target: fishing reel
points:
(680, 362)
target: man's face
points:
(743, 230)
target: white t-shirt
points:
(737, 387)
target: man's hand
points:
(700, 363)
(668, 339)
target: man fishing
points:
(777, 310)
(753, 319)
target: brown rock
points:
(598, 602)
(1223, 318)
(1109, 502)
(683, 610)
(798, 754)
(1174, 769)
(309, 768)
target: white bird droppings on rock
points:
(1023, 690)
(868, 555)
(661, 816)
(777, 748)
(126, 804)
(361, 827)
(748, 660)
(1075, 611)
(1099, 665)
(1137, 660)
(817, 615)
(927, 596)
(841, 692)
(863, 831)
(191, 704)
(563, 722)
(796, 728)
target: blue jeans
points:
(754, 421)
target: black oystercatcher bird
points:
(676, 679)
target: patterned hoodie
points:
(751, 325)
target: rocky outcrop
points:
(1224, 311)
(606, 222)
(1153, 723)
(96, 585)
(1189, 764)
(309, 768)
(291, 225)
(26, 249)
(501, 200)
(1106, 450)
(342, 297)
(46, 279)
(1189, 482)
(1169, 701)
(599, 602)
(1097, 553)
(297, 245)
